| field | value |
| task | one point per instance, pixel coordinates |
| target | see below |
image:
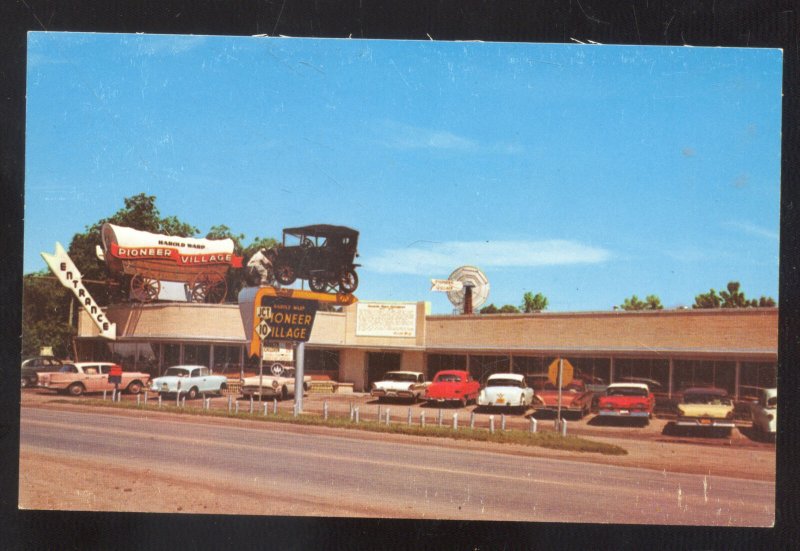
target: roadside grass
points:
(550, 440)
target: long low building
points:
(736, 349)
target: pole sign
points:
(282, 319)
(566, 376)
(67, 273)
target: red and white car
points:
(627, 400)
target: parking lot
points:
(659, 429)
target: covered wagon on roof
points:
(147, 259)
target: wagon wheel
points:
(348, 281)
(209, 287)
(285, 275)
(319, 283)
(144, 289)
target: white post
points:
(325, 410)
(275, 406)
(183, 403)
(491, 424)
(159, 401)
(422, 419)
(299, 371)
(265, 409)
(104, 395)
(388, 413)
(355, 411)
(145, 397)
(440, 417)
(138, 400)
(455, 421)
(251, 404)
(472, 420)
(237, 407)
(533, 425)
(563, 427)
(230, 402)
(503, 422)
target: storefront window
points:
(322, 363)
(480, 367)
(227, 359)
(196, 354)
(753, 376)
(529, 365)
(442, 362)
(172, 355)
(653, 372)
(689, 373)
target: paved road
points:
(348, 476)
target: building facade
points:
(735, 349)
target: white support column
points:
(671, 378)
(737, 374)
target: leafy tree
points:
(651, 302)
(236, 278)
(506, 309)
(731, 298)
(533, 303)
(46, 315)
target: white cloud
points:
(442, 258)
(753, 229)
(403, 136)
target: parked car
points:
(269, 385)
(400, 384)
(764, 413)
(627, 400)
(506, 390)
(706, 407)
(453, 386)
(31, 367)
(575, 397)
(79, 377)
(189, 379)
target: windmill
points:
(467, 289)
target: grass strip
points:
(550, 440)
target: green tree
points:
(533, 303)
(732, 297)
(506, 309)
(46, 317)
(651, 302)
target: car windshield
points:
(176, 372)
(710, 399)
(448, 378)
(626, 391)
(410, 377)
(504, 382)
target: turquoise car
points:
(190, 380)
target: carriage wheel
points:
(210, 288)
(318, 284)
(144, 289)
(285, 274)
(348, 281)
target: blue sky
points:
(587, 173)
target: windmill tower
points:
(467, 289)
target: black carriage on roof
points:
(323, 254)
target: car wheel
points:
(222, 388)
(318, 284)
(75, 389)
(463, 402)
(135, 387)
(192, 394)
(25, 383)
(285, 274)
(348, 281)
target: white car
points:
(190, 380)
(506, 390)
(764, 413)
(279, 386)
(400, 384)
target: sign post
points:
(560, 373)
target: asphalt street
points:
(348, 476)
